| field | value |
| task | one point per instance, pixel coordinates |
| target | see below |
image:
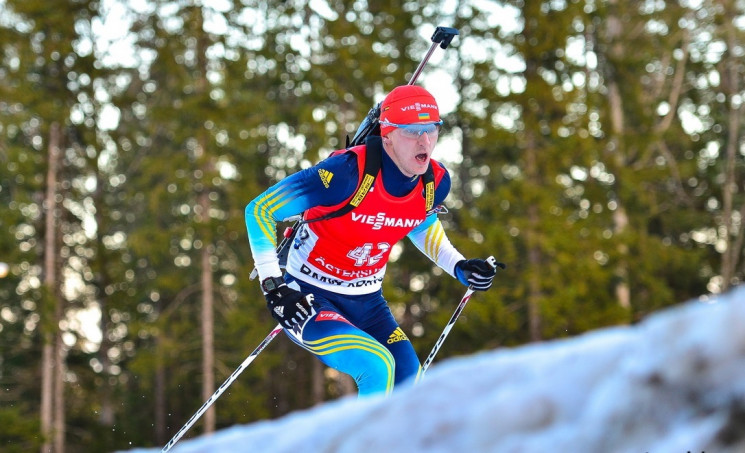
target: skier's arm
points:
(290, 197)
(430, 238)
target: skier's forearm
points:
(279, 202)
(430, 238)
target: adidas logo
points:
(397, 335)
(325, 177)
(279, 310)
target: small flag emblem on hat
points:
(424, 116)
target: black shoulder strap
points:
(428, 179)
(372, 168)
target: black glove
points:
(288, 306)
(476, 273)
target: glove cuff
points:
(459, 274)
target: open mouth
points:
(421, 157)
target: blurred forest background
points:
(596, 147)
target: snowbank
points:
(673, 383)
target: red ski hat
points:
(408, 104)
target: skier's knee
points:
(377, 376)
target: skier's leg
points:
(387, 331)
(344, 347)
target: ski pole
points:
(222, 388)
(438, 344)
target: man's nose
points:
(424, 138)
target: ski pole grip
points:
(495, 264)
(444, 35)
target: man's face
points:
(411, 151)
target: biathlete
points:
(330, 299)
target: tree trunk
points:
(208, 335)
(207, 167)
(59, 388)
(318, 382)
(731, 87)
(614, 28)
(52, 419)
(107, 414)
(533, 177)
(160, 395)
(532, 244)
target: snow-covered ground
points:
(674, 383)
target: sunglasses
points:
(415, 131)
